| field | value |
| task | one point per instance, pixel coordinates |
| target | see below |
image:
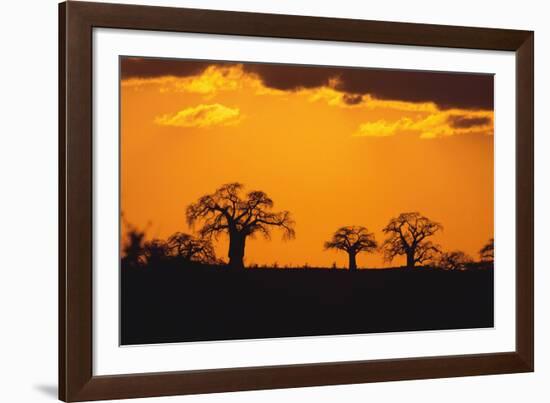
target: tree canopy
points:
(408, 235)
(353, 240)
(229, 211)
(454, 260)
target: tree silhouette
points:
(454, 260)
(132, 249)
(226, 211)
(352, 240)
(408, 235)
(191, 249)
(487, 253)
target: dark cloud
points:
(289, 77)
(464, 122)
(137, 67)
(447, 90)
(352, 99)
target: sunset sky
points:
(334, 146)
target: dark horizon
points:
(201, 303)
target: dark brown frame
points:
(76, 22)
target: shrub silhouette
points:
(133, 248)
(352, 240)
(227, 211)
(487, 253)
(454, 260)
(156, 252)
(407, 235)
(191, 249)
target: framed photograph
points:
(253, 201)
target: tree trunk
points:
(236, 250)
(410, 259)
(352, 262)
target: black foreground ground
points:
(200, 303)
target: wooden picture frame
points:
(76, 22)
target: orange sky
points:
(329, 162)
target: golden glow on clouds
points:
(201, 116)
(429, 122)
(337, 98)
(210, 82)
(434, 125)
(382, 128)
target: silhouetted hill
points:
(200, 302)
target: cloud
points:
(334, 97)
(447, 90)
(201, 116)
(139, 67)
(433, 125)
(291, 77)
(382, 128)
(429, 95)
(209, 82)
(465, 122)
(351, 99)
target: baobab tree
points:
(228, 211)
(454, 260)
(191, 249)
(487, 253)
(408, 235)
(353, 240)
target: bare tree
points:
(227, 211)
(407, 235)
(487, 253)
(454, 260)
(191, 249)
(353, 240)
